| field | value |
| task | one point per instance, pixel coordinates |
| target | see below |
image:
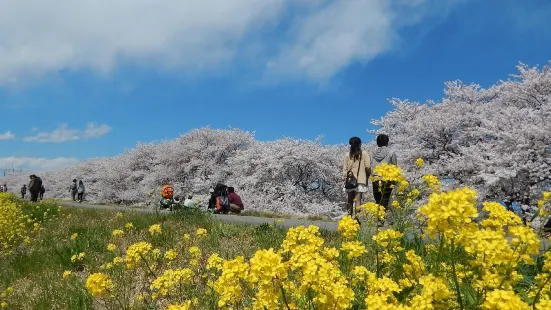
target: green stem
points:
(284, 297)
(539, 292)
(456, 282)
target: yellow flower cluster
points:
(504, 300)
(78, 257)
(155, 229)
(348, 227)
(451, 212)
(354, 249)
(171, 280)
(387, 172)
(201, 232)
(373, 210)
(99, 284)
(118, 233)
(432, 182)
(185, 306)
(136, 253)
(419, 163)
(16, 227)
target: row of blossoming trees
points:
(495, 140)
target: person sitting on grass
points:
(188, 203)
(236, 205)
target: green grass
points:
(35, 272)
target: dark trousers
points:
(80, 195)
(41, 195)
(22, 195)
(74, 195)
(34, 196)
(382, 192)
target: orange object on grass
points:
(167, 192)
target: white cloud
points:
(65, 134)
(7, 136)
(322, 38)
(37, 164)
(95, 131)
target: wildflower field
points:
(447, 254)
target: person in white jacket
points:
(188, 202)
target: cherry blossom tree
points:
(496, 140)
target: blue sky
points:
(76, 86)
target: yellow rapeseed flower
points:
(118, 233)
(185, 306)
(155, 229)
(419, 162)
(99, 284)
(171, 255)
(201, 232)
(74, 236)
(348, 227)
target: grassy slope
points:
(36, 273)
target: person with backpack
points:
(356, 170)
(73, 189)
(41, 192)
(222, 200)
(23, 191)
(34, 187)
(81, 190)
(167, 197)
(383, 154)
(236, 205)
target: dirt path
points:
(252, 220)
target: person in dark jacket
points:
(73, 189)
(34, 187)
(23, 191)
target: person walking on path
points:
(73, 189)
(81, 191)
(34, 187)
(5, 188)
(23, 191)
(355, 171)
(383, 154)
